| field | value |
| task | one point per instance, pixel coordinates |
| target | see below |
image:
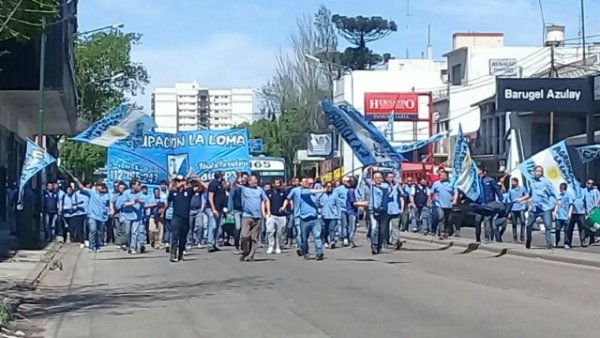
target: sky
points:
(234, 43)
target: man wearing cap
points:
(179, 199)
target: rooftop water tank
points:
(555, 35)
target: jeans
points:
(133, 233)
(421, 216)
(377, 231)
(50, 225)
(308, 226)
(142, 236)
(501, 224)
(328, 233)
(520, 216)
(489, 226)
(214, 227)
(561, 225)
(578, 219)
(351, 227)
(167, 235)
(408, 220)
(298, 227)
(94, 230)
(237, 216)
(343, 225)
(276, 226)
(443, 220)
(196, 228)
(546, 218)
(123, 233)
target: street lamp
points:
(109, 79)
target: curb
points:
(512, 251)
(39, 269)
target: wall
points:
(165, 112)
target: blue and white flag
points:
(407, 147)
(120, 125)
(465, 175)
(36, 159)
(367, 142)
(557, 166)
(589, 153)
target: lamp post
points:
(106, 79)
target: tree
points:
(299, 85)
(25, 19)
(359, 31)
(99, 58)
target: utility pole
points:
(553, 74)
(583, 31)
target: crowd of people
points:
(187, 213)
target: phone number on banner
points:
(128, 175)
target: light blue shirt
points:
(393, 206)
(84, 202)
(377, 192)
(542, 195)
(330, 205)
(307, 207)
(98, 204)
(169, 213)
(130, 213)
(252, 199)
(515, 194)
(579, 202)
(443, 194)
(294, 195)
(69, 205)
(506, 198)
(566, 200)
(342, 195)
(592, 197)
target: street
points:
(424, 290)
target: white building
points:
(399, 80)
(231, 107)
(181, 108)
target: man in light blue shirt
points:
(562, 213)
(98, 211)
(395, 206)
(342, 195)
(82, 211)
(408, 219)
(444, 197)
(255, 207)
(293, 201)
(130, 205)
(541, 195)
(330, 205)
(577, 217)
(592, 201)
(378, 203)
(517, 212)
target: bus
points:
(268, 168)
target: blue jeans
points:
(50, 225)
(311, 226)
(343, 225)
(298, 227)
(95, 230)
(546, 218)
(214, 227)
(167, 235)
(351, 227)
(420, 217)
(133, 233)
(142, 233)
(561, 225)
(518, 216)
(328, 232)
(196, 229)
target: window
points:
(456, 77)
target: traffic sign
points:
(255, 145)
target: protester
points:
(50, 212)
(394, 209)
(179, 199)
(98, 213)
(342, 195)
(130, 204)
(592, 201)
(255, 207)
(379, 199)
(330, 206)
(156, 206)
(351, 213)
(235, 207)
(217, 200)
(277, 220)
(408, 214)
(518, 208)
(541, 195)
(420, 204)
(69, 208)
(562, 214)
(444, 197)
(196, 227)
(489, 193)
(82, 212)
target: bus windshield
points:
(268, 168)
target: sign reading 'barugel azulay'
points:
(569, 95)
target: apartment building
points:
(181, 108)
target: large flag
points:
(406, 147)
(119, 125)
(557, 166)
(589, 153)
(464, 170)
(367, 142)
(36, 159)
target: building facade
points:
(181, 108)
(231, 107)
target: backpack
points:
(420, 196)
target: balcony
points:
(20, 74)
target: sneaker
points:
(86, 243)
(270, 250)
(82, 245)
(332, 246)
(91, 251)
(278, 251)
(345, 242)
(201, 246)
(326, 245)
(299, 252)
(567, 247)
(142, 249)
(320, 256)
(306, 257)
(167, 249)
(353, 245)
(528, 244)
(133, 252)
(237, 252)
(188, 247)
(173, 260)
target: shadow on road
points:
(125, 299)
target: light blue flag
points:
(123, 126)
(407, 147)
(36, 159)
(589, 153)
(557, 166)
(367, 142)
(464, 170)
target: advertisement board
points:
(379, 106)
(567, 95)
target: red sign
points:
(379, 106)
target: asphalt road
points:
(423, 290)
